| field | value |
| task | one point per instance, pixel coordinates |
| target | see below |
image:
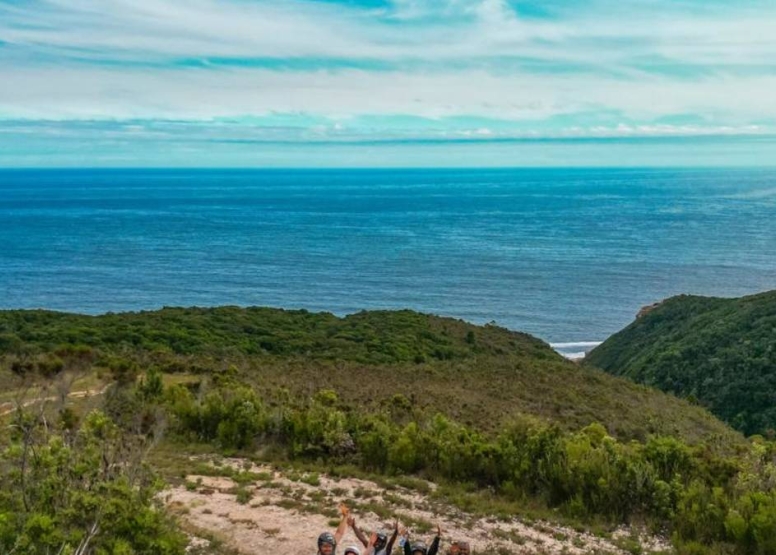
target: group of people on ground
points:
(379, 542)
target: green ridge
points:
(720, 352)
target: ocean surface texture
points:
(567, 255)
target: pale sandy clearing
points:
(283, 516)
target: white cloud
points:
(69, 59)
(146, 30)
(85, 92)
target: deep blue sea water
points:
(567, 255)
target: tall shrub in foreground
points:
(80, 490)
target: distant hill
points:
(482, 376)
(720, 352)
(372, 337)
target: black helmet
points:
(326, 537)
(419, 546)
(382, 539)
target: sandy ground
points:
(281, 513)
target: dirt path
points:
(10, 407)
(269, 511)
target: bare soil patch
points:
(266, 510)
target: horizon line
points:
(741, 167)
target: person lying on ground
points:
(327, 542)
(383, 545)
(419, 547)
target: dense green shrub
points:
(231, 415)
(62, 490)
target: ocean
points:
(567, 255)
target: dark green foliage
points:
(719, 352)
(46, 366)
(367, 337)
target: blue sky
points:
(387, 82)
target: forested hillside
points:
(718, 352)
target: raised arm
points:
(435, 544)
(343, 525)
(407, 546)
(357, 531)
(389, 545)
(371, 544)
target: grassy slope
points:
(720, 351)
(481, 376)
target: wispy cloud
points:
(88, 92)
(375, 70)
(423, 30)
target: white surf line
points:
(575, 344)
(575, 349)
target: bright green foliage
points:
(404, 452)
(232, 415)
(320, 429)
(151, 387)
(720, 352)
(83, 491)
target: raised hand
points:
(352, 521)
(439, 530)
(343, 510)
(343, 525)
(373, 539)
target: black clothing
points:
(431, 550)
